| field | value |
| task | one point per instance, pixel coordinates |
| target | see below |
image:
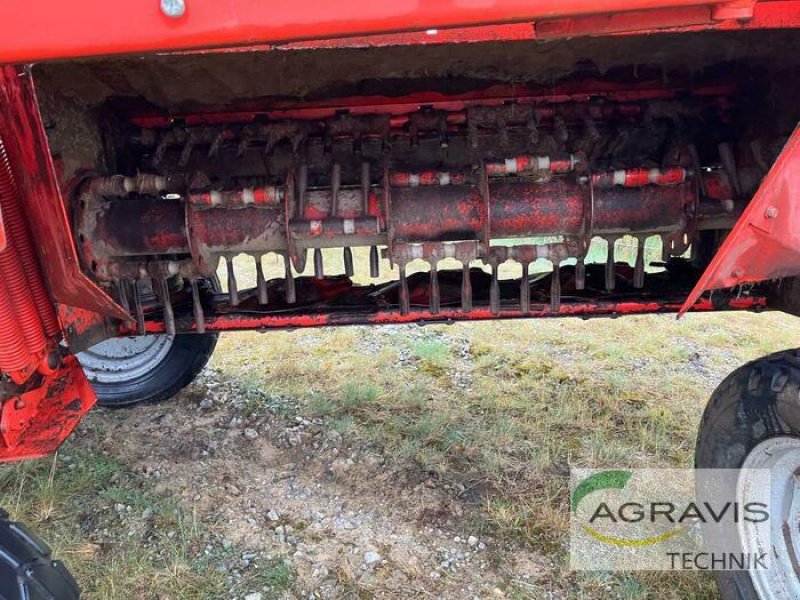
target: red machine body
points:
(124, 183)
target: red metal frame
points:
(765, 243)
(36, 422)
(32, 165)
(400, 107)
(51, 29)
(245, 322)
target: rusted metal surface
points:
(486, 106)
(765, 243)
(246, 320)
(437, 174)
(41, 198)
(83, 328)
(428, 176)
(431, 213)
(37, 421)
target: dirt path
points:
(345, 520)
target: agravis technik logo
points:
(652, 519)
(614, 480)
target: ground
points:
(393, 462)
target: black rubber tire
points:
(757, 401)
(26, 570)
(187, 357)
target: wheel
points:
(152, 368)
(752, 421)
(26, 570)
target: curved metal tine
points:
(319, 269)
(555, 288)
(525, 289)
(580, 274)
(611, 266)
(169, 314)
(197, 308)
(288, 282)
(466, 287)
(347, 256)
(435, 297)
(233, 288)
(374, 263)
(261, 282)
(122, 288)
(138, 308)
(405, 303)
(638, 269)
(494, 290)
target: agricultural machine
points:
(145, 145)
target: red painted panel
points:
(37, 422)
(50, 29)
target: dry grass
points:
(502, 410)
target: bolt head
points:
(737, 273)
(173, 8)
(771, 212)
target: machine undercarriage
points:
(264, 189)
(441, 190)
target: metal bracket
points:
(35, 423)
(765, 242)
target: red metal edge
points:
(3, 238)
(52, 29)
(463, 35)
(21, 126)
(400, 107)
(37, 422)
(242, 322)
(759, 15)
(765, 242)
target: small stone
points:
(250, 433)
(472, 541)
(147, 514)
(253, 596)
(434, 575)
(206, 403)
(273, 515)
(340, 467)
(372, 558)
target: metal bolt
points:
(771, 212)
(737, 273)
(173, 8)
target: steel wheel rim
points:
(121, 360)
(779, 537)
